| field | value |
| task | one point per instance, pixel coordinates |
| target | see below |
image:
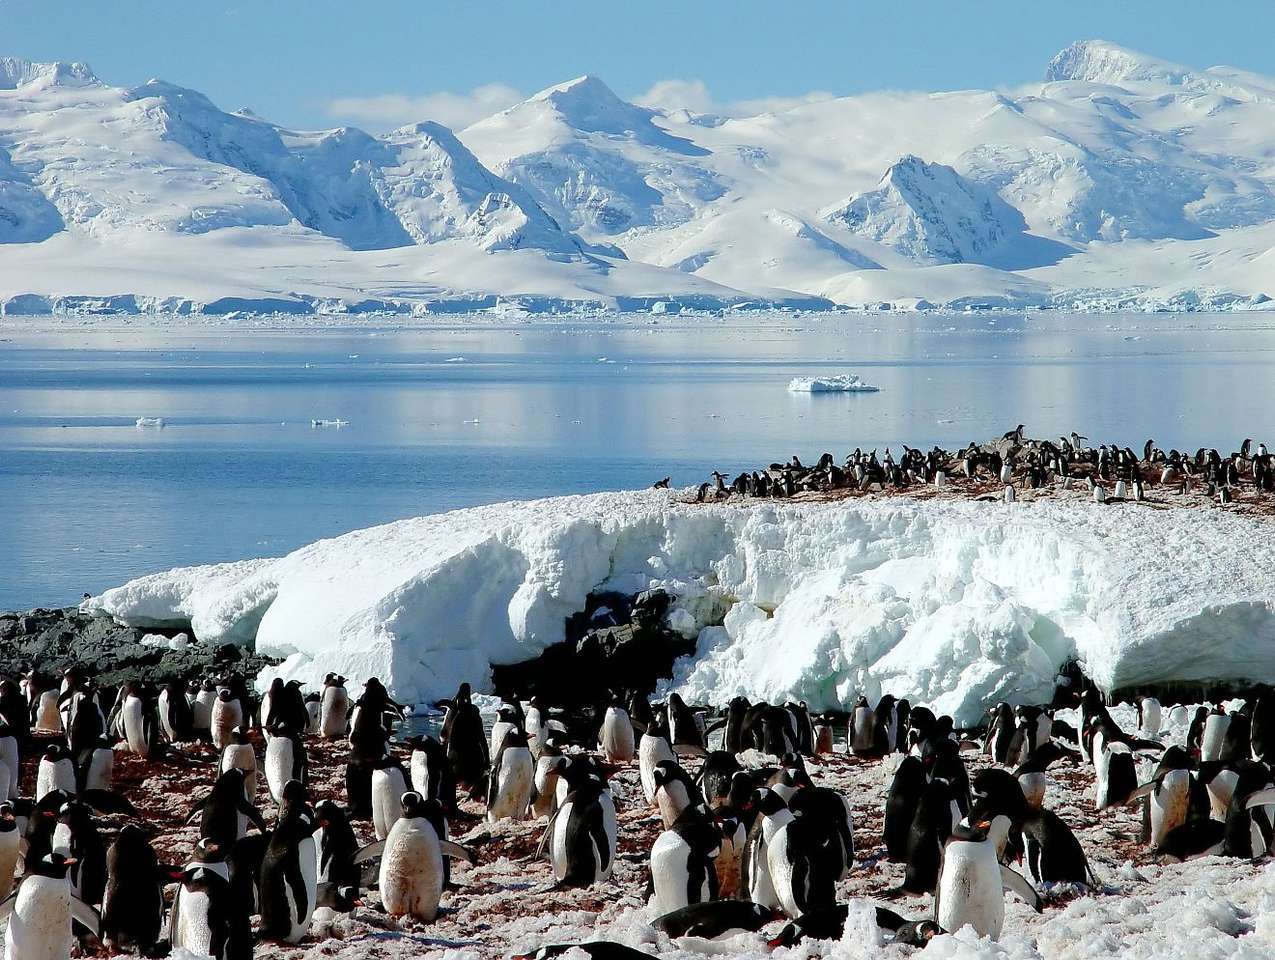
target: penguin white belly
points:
(59, 775)
(5, 780)
(191, 929)
(387, 796)
(279, 766)
(40, 926)
(672, 799)
(9, 757)
(48, 719)
(1220, 790)
(1169, 805)
(558, 842)
(336, 708)
(309, 863)
(970, 889)
(134, 731)
(862, 741)
(162, 707)
(61, 842)
(411, 878)
(823, 739)
(1150, 718)
(10, 851)
(760, 888)
(617, 736)
(201, 709)
(418, 771)
(1215, 728)
(1033, 785)
(513, 786)
(226, 715)
(101, 771)
(610, 827)
(727, 863)
(670, 875)
(537, 731)
(547, 783)
(314, 714)
(498, 731)
(651, 750)
(781, 874)
(241, 756)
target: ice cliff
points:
(952, 603)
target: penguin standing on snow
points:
(412, 878)
(792, 856)
(862, 729)
(682, 862)
(334, 707)
(40, 914)
(581, 837)
(289, 869)
(133, 904)
(511, 783)
(286, 758)
(389, 783)
(972, 880)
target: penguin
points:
(389, 784)
(972, 881)
(506, 720)
(862, 729)
(133, 902)
(832, 830)
(239, 754)
(616, 737)
(900, 806)
(175, 717)
(206, 918)
(431, 775)
(1262, 725)
(314, 711)
(55, 772)
(47, 719)
(548, 777)
(1053, 853)
(335, 847)
(1168, 794)
(581, 837)
(466, 741)
(717, 777)
(39, 915)
(931, 826)
(10, 759)
(137, 720)
(1214, 736)
(675, 791)
(224, 814)
(684, 733)
(334, 707)
(654, 748)
(96, 769)
(536, 725)
(830, 924)
(411, 875)
(682, 862)
(201, 707)
(77, 839)
(823, 739)
(792, 860)
(1149, 716)
(511, 782)
(772, 813)
(1116, 777)
(734, 834)
(286, 757)
(10, 847)
(711, 920)
(226, 714)
(289, 869)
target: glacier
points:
(948, 602)
(1119, 181)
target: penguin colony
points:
(1109, 473)
(739, 827)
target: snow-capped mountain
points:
(1120, 180)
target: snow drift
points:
(952, 603)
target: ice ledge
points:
(954, 603)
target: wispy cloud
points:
(455, 110)
(694, 95)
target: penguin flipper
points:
(1260, 798)
(457, 852)
(544, 840)
(1145, 790)
(7, 905)
(108, 801)
(249, 810)
(370, 852)
(87, 916)
(1016, 884)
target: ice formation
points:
(839, 383)
(953, 603)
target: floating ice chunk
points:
(330, 423)
(841, 383)
(143, 423)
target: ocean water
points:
(446, 416)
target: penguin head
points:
(55, 752)
(665, 772)
(294, 792)
(50, 865)
(413, 804)
(328, 813)
(208, 851)
(8, 818)
(506, 713)
(225, 695)
(767, 802)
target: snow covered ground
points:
(1120, 181)
(952, 602)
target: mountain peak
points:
(16, 72)
(1101, 61)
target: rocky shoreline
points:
(52, 639)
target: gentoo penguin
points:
(830, 924)
(314, 714)
(862, 729)
(972, 881)
(334, 707)
(548, 777)
(239, 754)
(55, 772)
(10, 760)
(38, 917)
(506, 720)
(225, 715)
(832, 830)
(431, 775)
(675, 791)
(411, 878)
(224, 814)
(772, 813)
(136, 719)
(900, 806)
(823, 739)
(792, 858)
(536, 725)
(511, 782)
(717, 777)
(286, 757)
(1115, 774)
(1262, 725)
(734, 833)
(201, 707)
(10, 847)
(616, 737)
(682, 862)
(1054, 855)
(931, 826)
(1148, 716)
(389, 784)
(654, 748)
(684, 732)
(206, 919)
(466, 742)
(1215, 727)
(95, 768)
(175, 717)
(335, 846)
(711, 920)
(289, 870)
(133, 903)
(581, 838)
(48, 719)
(76, 838)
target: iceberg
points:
(953, 603)
(842, 383)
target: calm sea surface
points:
(449, 416)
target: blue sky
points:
(383, 62)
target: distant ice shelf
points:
(844, 383)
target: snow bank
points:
(847, 383)
(952, 603)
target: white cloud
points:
(455, 110)
(694, 95)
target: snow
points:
(954, 603)
(837, 383)
(1122, 181)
